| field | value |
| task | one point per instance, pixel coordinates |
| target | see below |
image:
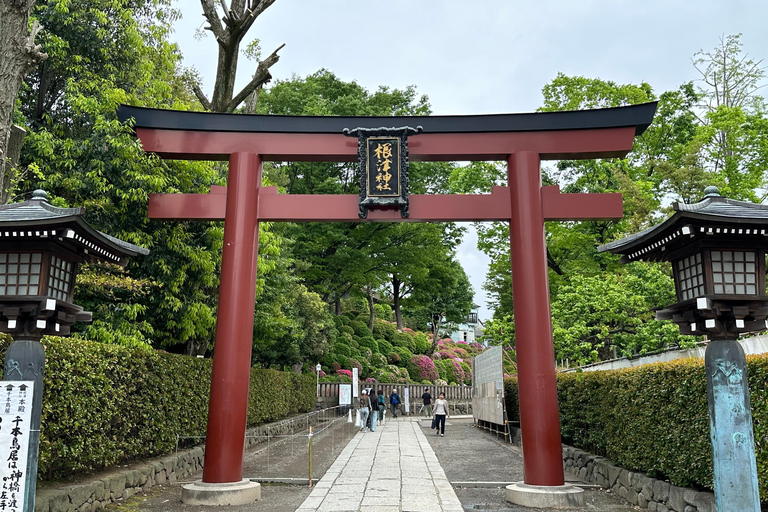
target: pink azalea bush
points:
(346, 373)
(422, 368)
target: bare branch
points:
(202, 97)
(214, 22)
(260, 77)
(253, 13)
(33, 50)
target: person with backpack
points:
(394, 401)
(364, 409)
(382, 402)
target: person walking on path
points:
(373, 404)
(364, 408)
(394, 401)
(441, 414)
(382, 405)
(427, 403)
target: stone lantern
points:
(717, 249)
(41, 247)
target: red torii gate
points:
(523, 140)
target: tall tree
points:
(442, 295)
(103, 53)
(229, 24)
(18, 55)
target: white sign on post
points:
(355, 392)
(15, 425)
(345, 394)
(407, 397)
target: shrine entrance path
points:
(466, 454)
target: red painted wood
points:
(228, 405)
(559, 206)
(276, 207)
(572, 144)
(539, 416)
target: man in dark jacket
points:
(427, 403)
(394, 401)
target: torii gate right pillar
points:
(539, 415)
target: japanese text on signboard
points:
(15, 419)
(383, 166)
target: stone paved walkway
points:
(391, 470)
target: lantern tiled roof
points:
(714, 216)
(36, 218)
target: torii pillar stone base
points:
(244, 492)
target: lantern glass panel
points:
(734, 272)
(59, 278)
(20, 273)
(690, 277)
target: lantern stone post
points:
(717, 248)
(41, 247)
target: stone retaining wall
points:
(114, 485)
(636, 488)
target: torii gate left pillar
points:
(525, 204)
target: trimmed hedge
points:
(652, 418)
(107, 404)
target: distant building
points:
(470, 331)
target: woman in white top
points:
(441, 413)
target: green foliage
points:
(652, 418)
(453, 371)
(593, 314)
(106, 404)
(403, 339)
(360, 329)
(369, 343)
(385, 347)
(293, 327)
(421, 343)
(383, 311)
(405, 356)
(385, 330)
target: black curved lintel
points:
(638, 116)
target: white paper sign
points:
(406, 396)
(15, 425)
(345, 394)
(355, 391)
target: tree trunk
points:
(371, 309)
(396, 283)
(18, 55)
(437, 320)
(229, 29)
(337, 305)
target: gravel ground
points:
(467, 454)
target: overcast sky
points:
(485, 56)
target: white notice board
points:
(15, 426)
(355, 385)
(345, 394)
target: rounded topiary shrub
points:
(403, 339)
(385, 330)
(361, 329)
(369, 343)
(421, 367)
(385, 347)
(421, 343)
(405, 355)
